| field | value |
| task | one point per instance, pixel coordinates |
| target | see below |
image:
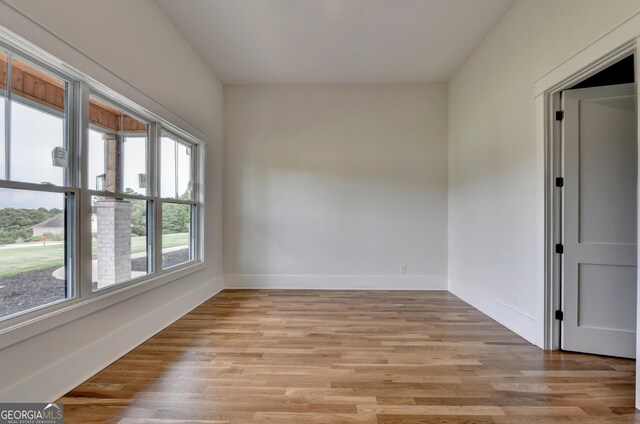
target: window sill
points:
(39, 321)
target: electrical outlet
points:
(403, 269)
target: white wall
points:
(493, 181)
(335, 186)
(146, 59)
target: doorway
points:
(596, 214)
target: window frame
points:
(194, 251)
(150, 197)
(68, 188)
(80, 87)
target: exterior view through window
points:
(129, 174)
(118, 157)
(33, 221)
(32, 250)
(176, 183)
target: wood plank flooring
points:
(295, 357)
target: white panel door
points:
(599, 220)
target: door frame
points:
(550, 100)
(621, 41)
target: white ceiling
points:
(334, 41)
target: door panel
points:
(599, 220)
(606, 174)
(602, 306)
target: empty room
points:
(319, 211)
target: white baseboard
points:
(335, 282)
(523, 325)
(50, 383)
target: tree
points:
(139, 217)
(176, 218)
(15, 224)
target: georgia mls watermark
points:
(31, 413)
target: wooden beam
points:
(36, 85)
(109, 120)
(3, 70)
(42, 88)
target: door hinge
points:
(559, 315)
(559, 115)
(559, 248)
(559, 182)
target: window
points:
(33, 233)
(118, 151)
(118, 146)
(176, 186)
(36, 108)
(177, 168)
(36, 197)
(129, 173)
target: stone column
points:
(114, 241)
(113, 162)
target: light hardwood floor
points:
(288, 357)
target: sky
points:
(34, 134)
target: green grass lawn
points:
(36, 257)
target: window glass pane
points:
(118, 146)
(32, 250)
(34, 134)
(135, 166)
(167, 167)
(176, 234)
(96, 160)
(176, 169)
(119, 245)
(37, 125)
(183, 166)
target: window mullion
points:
(175, 169)
(84, 252)
(72, 224)
(152, 168)
(70, 172)
(104, 193)
(180, 201)
(198, 196)
(7, 121)
(35, 187)
(154, 238)
(71, 245)
(157, 212)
